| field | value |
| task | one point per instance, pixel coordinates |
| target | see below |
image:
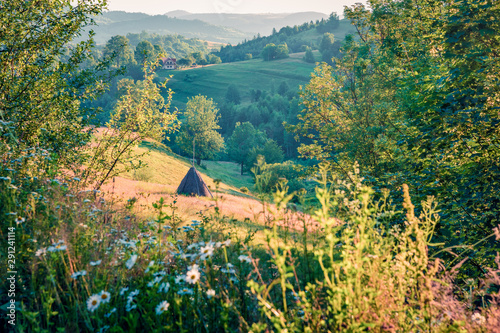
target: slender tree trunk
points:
(198, 161)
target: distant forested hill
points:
(298, 38)
(253, 23)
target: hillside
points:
(213, 81)
(163, 174)
(121, 23)
(253, 23)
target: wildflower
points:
(83, 225)
(151, 263)
(107, 315)
(76, 179)
(123, 290)
(179, 279)
(478, 318)
(244, 258)
(93, 302)
(104, 296)
(57, 247)
(218, 245)
(227, 242)
(210, 293)
(228, 269)
(193, 275)
(192, 246)
(129, 307)
(155, 281)
(86, 200)
(164, 287)
(206, 251)
(131, 261)
(95, 263)
(104, 328)
(12, 214)
(187, 229)
(40, 252)
(162, 307)
(20, 219)
(185, 291)
(77, 274)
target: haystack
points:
(193, 184)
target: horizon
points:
(256, 7)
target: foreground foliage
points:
(414, 99)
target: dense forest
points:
(377, 184)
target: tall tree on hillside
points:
(328, 48)
(244, 138)
(119, 48)
(309, 56)
(200, 123)
(233, 95)
(144, 51)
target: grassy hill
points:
(163, 174)
(213, 81)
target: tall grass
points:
(86, 265)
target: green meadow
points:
(212, 81)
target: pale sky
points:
(231, 6)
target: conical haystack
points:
(193, 184)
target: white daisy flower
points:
(95, 263)
(185, 291)
(162, 307)
(134, 293)
(155, 281)
(104, 329)
(131, 262)
(228, 269)
(107, 315)
(20, 219)
(123, 290)
(192, 246)
(57, 247)
(179, 279)
(227, 242)
(478, 318)
(206, 251)
(105, 296)
(193, 275)
(210, 293)
(151, 263)
(244, 258)
(93, 302)
(77, 274)
(40, 252)
(164, 287)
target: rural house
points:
(169, 63)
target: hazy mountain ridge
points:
(252, 23)
(121, 23)
(222, 28)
